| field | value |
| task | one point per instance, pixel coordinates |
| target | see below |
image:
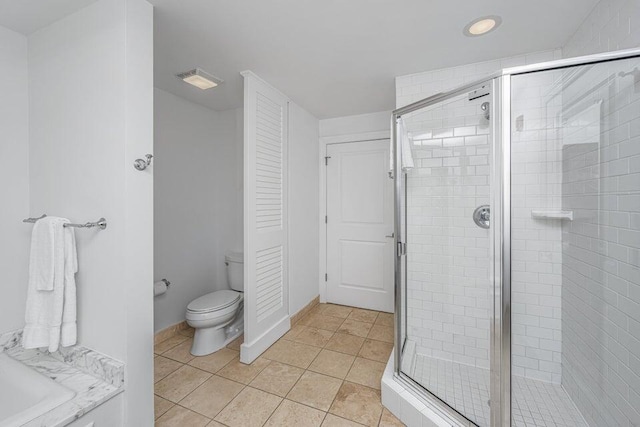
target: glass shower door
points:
(575, 274)
(448, 305)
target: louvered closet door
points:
(265, 223)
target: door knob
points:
(391, 236)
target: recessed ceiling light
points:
(481, 26)
(199, 79)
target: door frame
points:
(322, 210)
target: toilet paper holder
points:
(166, 282)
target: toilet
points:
(217, 317)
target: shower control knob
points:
(482, 216)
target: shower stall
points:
(517, 231)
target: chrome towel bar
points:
(101, 223)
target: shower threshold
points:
(466, 388)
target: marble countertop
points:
(94, 377)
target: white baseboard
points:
(250, 351)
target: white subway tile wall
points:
(448, 255)
(448, 285)
(536, 245)
(601, 261)
(601, 246)
(612, 25)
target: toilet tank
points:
(235, 270)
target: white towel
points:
(49, 311)
(68, 333)
(406, 152)
(41, 259)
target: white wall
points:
(358, 124)
(77, 92)
(90, 100)
(14, 176)
(611, 25)
(198, 200)
(303, 208)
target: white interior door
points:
(360, 225)
(266, 290)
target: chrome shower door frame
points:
(500, 186)
(497, 338)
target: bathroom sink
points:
(26, 394)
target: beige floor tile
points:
(181, 352)
(332, 363)
(293, 332)
(362, 315)
(314, 336)
(189, 332)
(214, 423)
(345, 343)
(335, 421)
(169, 343)
(250, 408)
(277, 378)
(215, 361)
(353, 327)
(376, 350)
(340, 311)
(235, 344)
(381, 333)
(366, 372)
(322, 321)
(212, 396)
(180, 417)
(292, 414)
(385, 319)
(315, 390)
(163, 367)
(160, 406)
(178, 384)
(389, 420)
(242, 373)
(358, 403)
(292, 353)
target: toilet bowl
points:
(217, 317)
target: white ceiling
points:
(332, 57)
(337, 57)
(27, 16)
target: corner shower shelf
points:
(549, 214)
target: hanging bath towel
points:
(404, 142)
(50, 311)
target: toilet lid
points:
(214, 301)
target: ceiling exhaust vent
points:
(200, 79)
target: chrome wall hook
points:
(141, 164)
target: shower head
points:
(485, 109)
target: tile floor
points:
(535, 403)
(324, 372)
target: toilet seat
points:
(214, 301)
